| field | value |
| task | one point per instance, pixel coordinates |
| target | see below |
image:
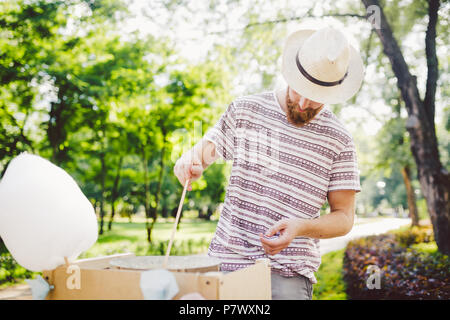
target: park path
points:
(22, 291)
(362, 230)
(17, 292)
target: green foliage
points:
(11, 272)
(206, 196)
(111, 105)
(425, 247)
(423, 209)
(414, 235)
(26, 30)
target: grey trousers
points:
(293, 288)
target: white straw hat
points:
(322, 66)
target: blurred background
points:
(113, 91)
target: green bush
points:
(414, 235)
(408, 269)
(11, 272)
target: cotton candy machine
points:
(193, 263)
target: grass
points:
(330, 283)
(426, 247)
(193, 237)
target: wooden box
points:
(98, 280)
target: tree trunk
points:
(434, 179)
(179, 219)
(4, 169)
(158, 187)
(164, 211)
(113, 212)
(412, 207)
(56, 131)
(201, 213)
(2, 246)
(154, 211)
(209, 213)
(146, 196)
(102, 193)
(152, 224)
(115, 193)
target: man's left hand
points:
(288, 230)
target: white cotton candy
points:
(44, 216)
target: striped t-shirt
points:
(279, 171)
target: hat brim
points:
(310, 90)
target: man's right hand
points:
(188, 166)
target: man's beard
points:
(297, 118)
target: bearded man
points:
(290, 154)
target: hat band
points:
(317, 81)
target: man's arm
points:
(192, 163)
(335, 224)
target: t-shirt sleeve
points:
(223, 133)
(344, 173)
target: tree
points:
(393, 146)
(112, 81)
(209, 192)
(434, 179)
(190, 94)
(28, 32)
(394, 155)
(69, 64)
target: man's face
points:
(300, 110)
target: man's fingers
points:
(273, 244)
(196, 170)
(276, 228)
(187, 169)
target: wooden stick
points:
(67, 262)
(174, 229)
